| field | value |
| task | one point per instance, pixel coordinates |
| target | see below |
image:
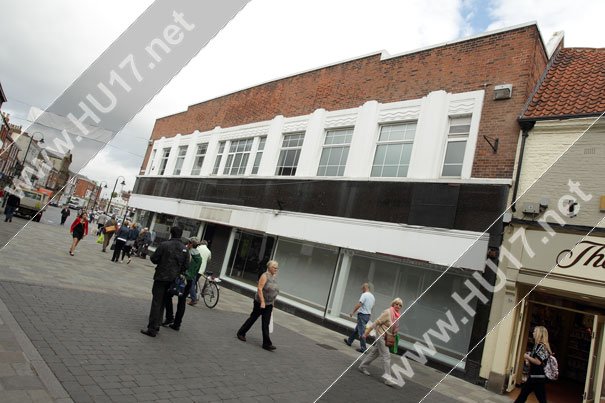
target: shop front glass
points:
(164, 222)
(306, 271)
(394, 278)
(249, 256)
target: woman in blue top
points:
(121, 238)
(537, 359)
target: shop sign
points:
(566, 254)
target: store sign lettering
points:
(585, 253)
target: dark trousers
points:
(126, 251)
(266, 318)
(180, 307)
(63, 219)
(159, 293)
(362, 321)
(532, 385)
(118, 248)
(106, 239)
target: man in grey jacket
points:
(171, 259)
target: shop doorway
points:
(576, 338)
(249, 256)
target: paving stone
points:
(18, 382)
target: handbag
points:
(177, 288)
(111, 228)
(389, 339)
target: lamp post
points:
(101, 186)
(114, 189)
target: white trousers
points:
(379, 349)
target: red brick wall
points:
(82, 186)
(516, 57)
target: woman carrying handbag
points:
(387, 327)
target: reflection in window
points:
(180, 159)
(237, 159)
(259, 155)
(217, 162)
(164, 160)
(249, 256)
(290, 152)
(456, 145)
(200, 154)
(335, 152)
(394, 149)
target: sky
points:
(46, 45)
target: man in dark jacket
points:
(171, 259)
(12, 203)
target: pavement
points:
(69, 331)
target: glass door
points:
(520, 343)
(249, 256)
(594, 375)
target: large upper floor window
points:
(335, 152)
(290, 152)
(180, 159)
(164, 160)
(237, 158)
(259, 155)
(217, 163)
(200, 154)
(152, 159)
(394, 149)
(456, 145)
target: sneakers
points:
(192, 303)
(364, 371)
(174, 327)
(361, 350)
(390, 381)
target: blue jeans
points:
(193, 293)
(362, 321)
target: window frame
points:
(329, 147)
(232, 156)
(262, 142)
(456, 138)
(181, 154)
(401, 142)
(198, 155)
(164, 160)
(219, 156)
(284, 150)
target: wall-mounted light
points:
(503, 91)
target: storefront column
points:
(341, 283)
(228, 253)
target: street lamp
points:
(114, 189)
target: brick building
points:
(387, 169)
(561, 209)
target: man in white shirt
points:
(364, 310)
(206, 257)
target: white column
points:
(341, 284)
(272, 147)
(174, 150)
(193, 141)
(312, 144)
(211, 152)
(228, 253)
(253, 151)
(363, 143)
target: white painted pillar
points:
(211, 152)
(193, 141)
(272, 147)
(312, 144)
(363, 143)
(341, 284)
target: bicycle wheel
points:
(210, 295)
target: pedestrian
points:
(142, 243)
(264, 298)
(101, 222)
(12, 204)
(109, 229)
(133, 234)
(78, 229)
(65, 212)
(171, 258)
(195, 260)
(364, 311)
(387, 325)
(536, 382)
(121, 239)
(206, 257)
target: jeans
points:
(193, 292)
(9, 211)
(362, 321)
(159, 293)
(266, 318)
(106, 239)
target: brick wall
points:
(516, 57)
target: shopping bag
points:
(271, 324)
(394, 348)
(100, 238)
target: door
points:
(594, 372)
(520, 342)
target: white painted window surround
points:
(431, 115)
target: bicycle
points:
(209, 292)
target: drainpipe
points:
(526, 126)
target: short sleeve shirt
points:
(367, 303)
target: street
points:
(83, 314)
